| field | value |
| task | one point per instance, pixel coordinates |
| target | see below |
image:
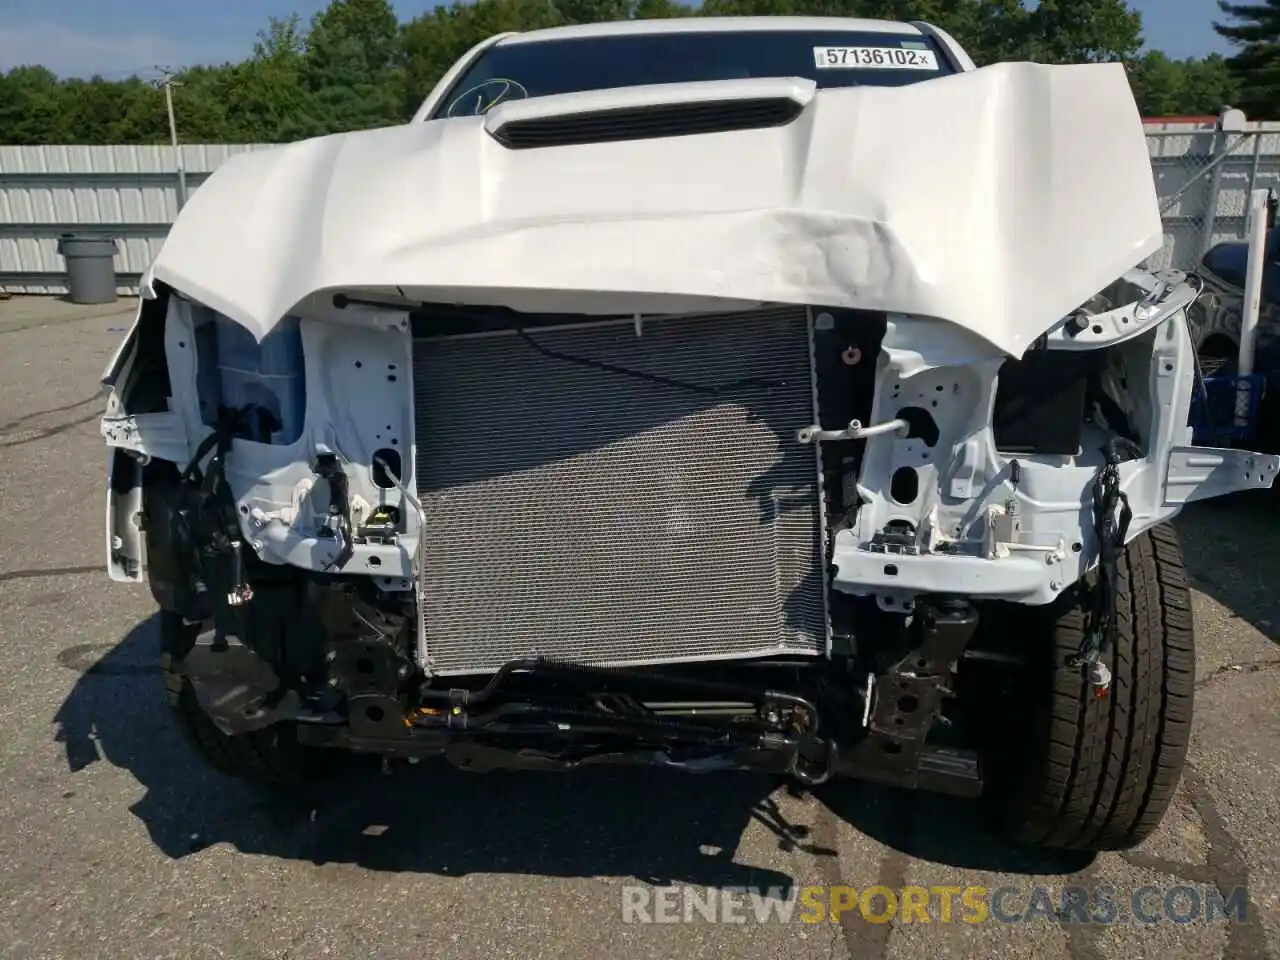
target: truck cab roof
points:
(712, 25)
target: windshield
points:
(839, 58)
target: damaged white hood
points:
(998, 200)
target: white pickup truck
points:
(768, 393)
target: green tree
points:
(349, 67)
(265, 97)
(1256, 66)
(992, 30)
(1078, 31)
(1169, 88)
(200, 100)
(778, 8)
(660, 10)
(1158, 85)
(1209, 86)
(30, 106)
(139, 115)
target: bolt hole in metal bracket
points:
(855, 431)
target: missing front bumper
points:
(936, 769)
(804, 719)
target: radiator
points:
(588, 514)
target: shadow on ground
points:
(658, 826)
(1232, 550)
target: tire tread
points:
(269, 756)
(1107, 768)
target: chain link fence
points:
(1205, 170)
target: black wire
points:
(649, 377)
(218, 440)
(342, 300)
(1112, 515)
(328, 469)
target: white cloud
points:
(70, 53)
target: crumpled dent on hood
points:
(997, 200)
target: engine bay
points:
(411, 527)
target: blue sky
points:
(118, 37)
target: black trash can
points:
(91, 271)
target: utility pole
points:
(168, 83)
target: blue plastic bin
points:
(1213, 417)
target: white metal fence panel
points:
(125, 192)
(1203, 176)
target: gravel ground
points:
(116, 842)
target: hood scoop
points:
(644, 113)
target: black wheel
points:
(271, 756)
(1099, 773)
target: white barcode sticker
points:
(873, 58)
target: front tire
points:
(271, 756)
(1100, 773)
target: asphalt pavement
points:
(116, 842)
